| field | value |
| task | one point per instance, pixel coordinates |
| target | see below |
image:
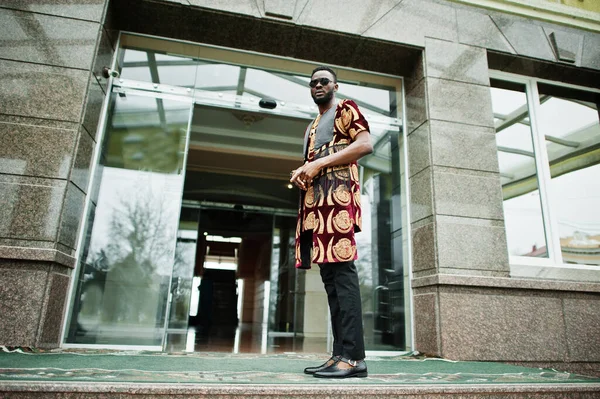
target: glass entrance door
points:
(183, 303)
(286, 299)
(243, 127)
(128, 252)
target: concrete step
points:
(338, 390)
(101, 373)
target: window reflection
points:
(222, 83)
(568, 119)
(217, 77)
(278, 86)
(287, 297)
(154, 67)
(520, 190)
(128, 253)
(182, 280)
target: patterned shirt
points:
(330, 207)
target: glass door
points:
(128, 254)
(286, 304)
(183, 288)
(243, 127)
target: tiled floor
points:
(247, 338)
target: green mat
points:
(215, 368)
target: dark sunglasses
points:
(324, 82)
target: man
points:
(329, 215)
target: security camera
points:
(107, 73)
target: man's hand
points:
(358, 148)
(302, 176)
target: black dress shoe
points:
(358, 369)
(332, 360)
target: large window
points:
(548, 140)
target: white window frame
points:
(552, 267)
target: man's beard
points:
(325, 99)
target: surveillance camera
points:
(107, 73)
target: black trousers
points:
(343, 294)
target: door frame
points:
(232, 56)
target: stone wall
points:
(529, 322)
(51, 94)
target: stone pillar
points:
(51, 93)
(455, 192)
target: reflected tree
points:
(141, 235)
(364, 265)
(139, 258)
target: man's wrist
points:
(322, 163)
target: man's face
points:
(322, 94)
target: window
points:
(568, 121)
(518, 173)
(548, 140)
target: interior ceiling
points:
(244, 132)
(243, 158)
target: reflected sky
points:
(572, 133)
(149, 66)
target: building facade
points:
(484, 236)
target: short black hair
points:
(325, 68)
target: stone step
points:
(336, 390)
(100, 373)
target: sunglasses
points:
(324, 82)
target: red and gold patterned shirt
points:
(330, 207)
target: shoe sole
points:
(357, 375)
